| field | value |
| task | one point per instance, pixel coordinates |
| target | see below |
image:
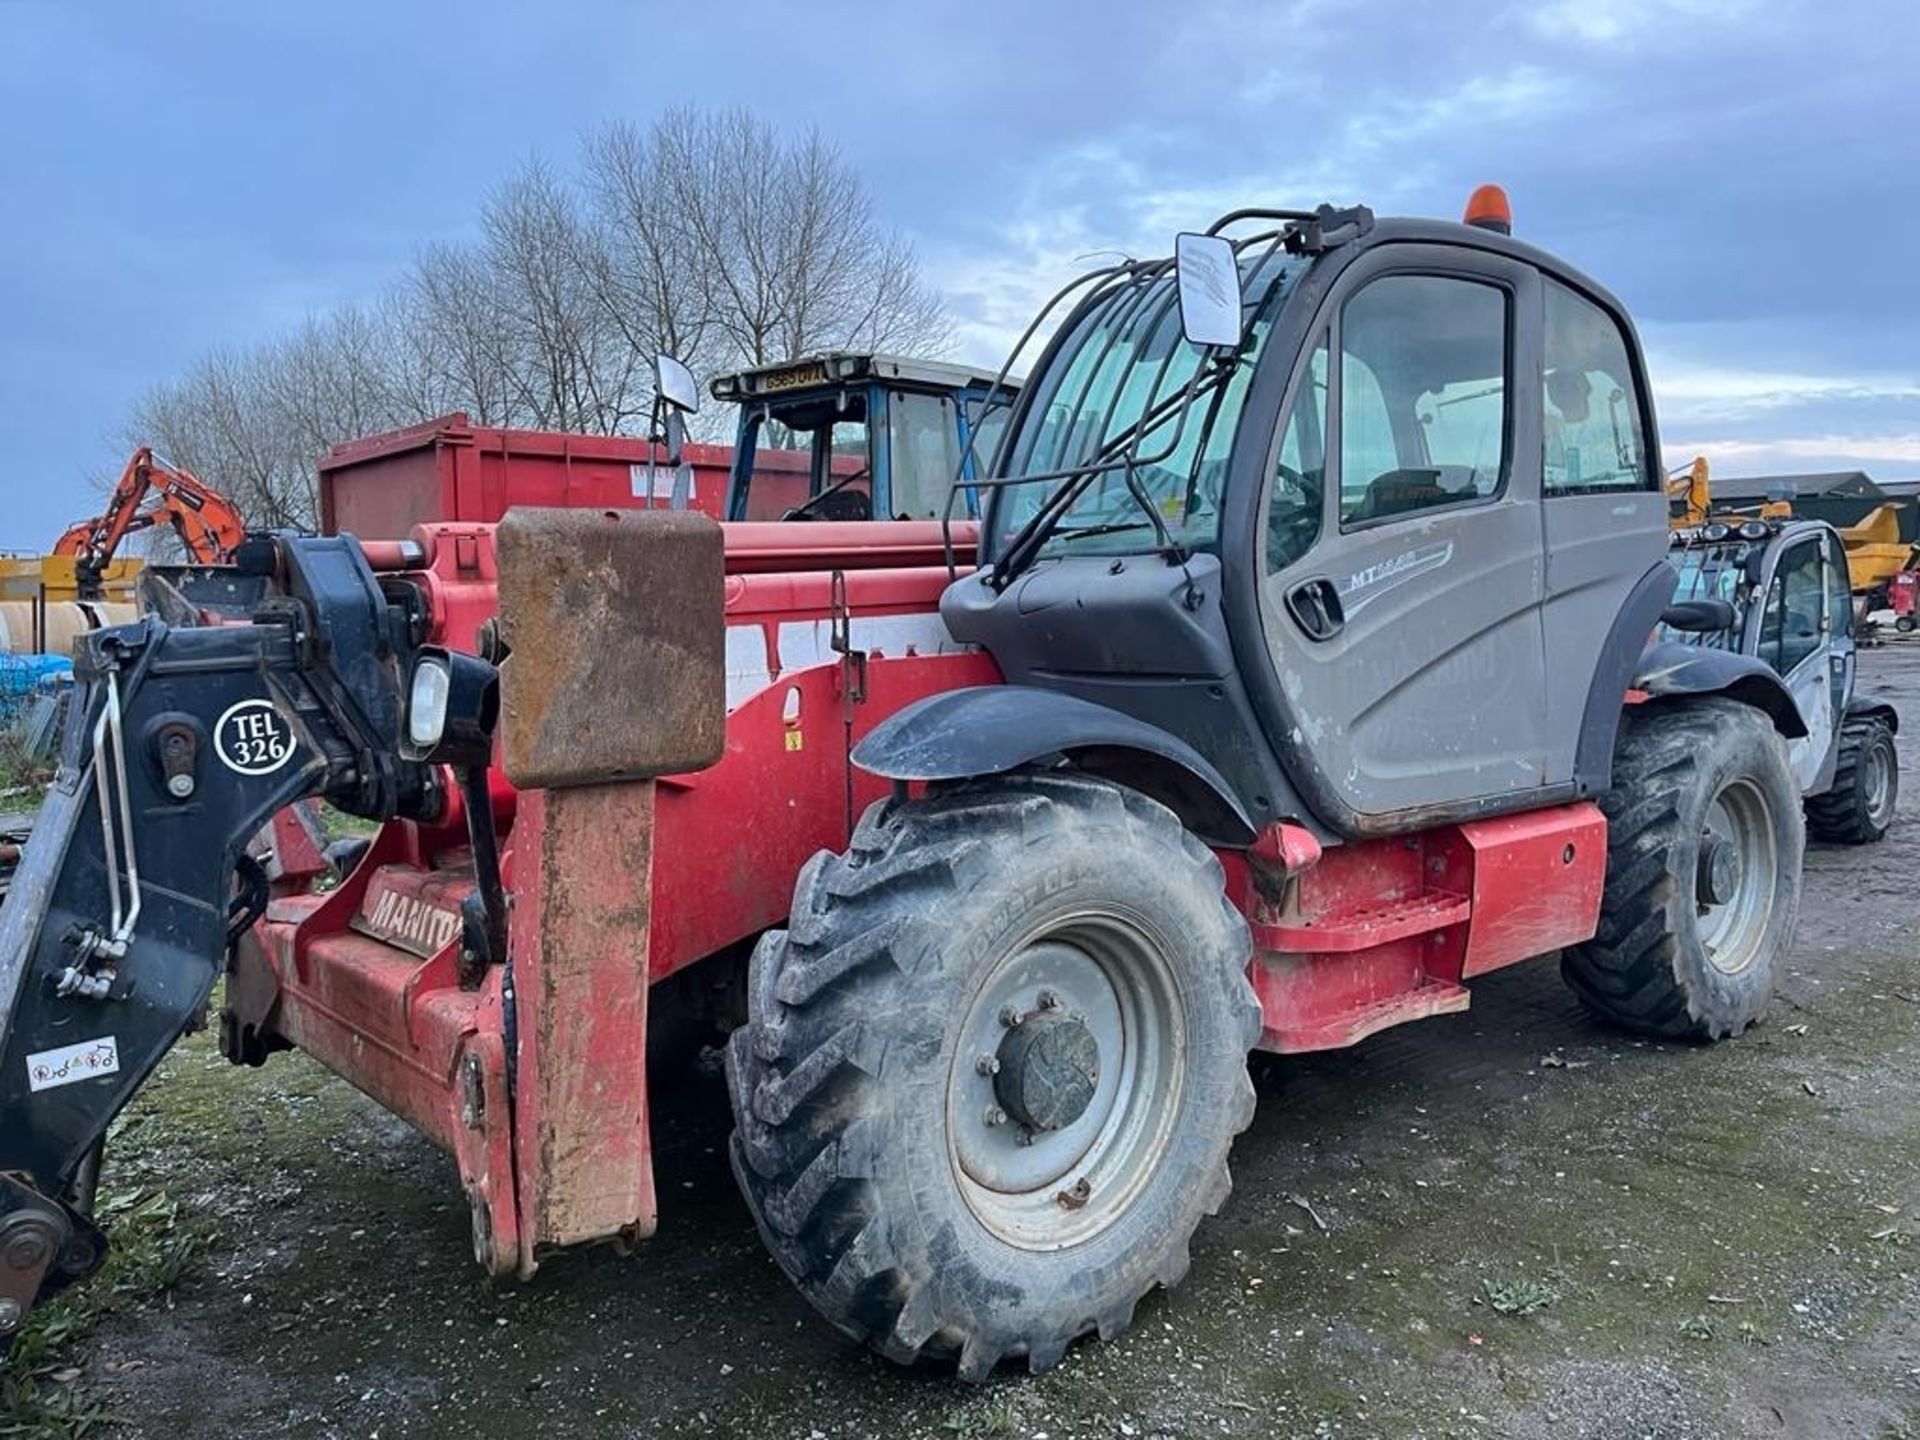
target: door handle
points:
(1315, 607)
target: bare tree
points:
(651, 278)
(709, 236)
(458, 346)
(219, 420)
(766, 247)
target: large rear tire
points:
(1704, 844)
(1859, 806)
(993, 1068)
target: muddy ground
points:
(1506, 1222)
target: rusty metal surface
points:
(32, 1234)
(616, 626)
(582, 893)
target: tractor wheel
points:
(1704, 841)
(992, 1069)
(1866, 787)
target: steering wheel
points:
(1292, 534)
(804, 510)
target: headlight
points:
(427, 702)
(453, 701)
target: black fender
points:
(1613, 676)
(991, 729)
(1861, 708)
(1671, 669)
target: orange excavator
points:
(151, 491)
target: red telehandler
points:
(1295, 676)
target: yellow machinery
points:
(1689, 499)
(40, 609)
(1876, 552)
(32, 578)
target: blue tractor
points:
(851, 436)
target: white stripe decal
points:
(803, 644)
(748, 670)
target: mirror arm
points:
(676, 436)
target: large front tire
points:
(1704, 843)
(993, 1068)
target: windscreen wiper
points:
(1112, 527)
(1025, 545)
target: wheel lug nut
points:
(1049, 1000)
(988, 1065)
(1025, 1137)
(1009, 1016)
(995, 1115)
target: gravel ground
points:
(1506, 1222)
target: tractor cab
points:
(845, 436)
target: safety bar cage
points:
(1300, 232)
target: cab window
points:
(778, 477)
(989, 425)
(924, 452)
(811, 455)
(1839, 588)
(1593, 438)
(1796, 601)
(1299, 478)
(1423, 396)
(1839, 618)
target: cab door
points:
(1792, 630)
(1405, 624)
(1603, 508)
(1843, 647)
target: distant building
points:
(1840, 497)
(1834, 484)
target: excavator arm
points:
(1690, 500)
(150, 492)
(1689, 496)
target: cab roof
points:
(836, 367)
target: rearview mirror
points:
(675, 384)
(1209, 285)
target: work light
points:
(453, 700)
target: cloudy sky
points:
(1742, 172)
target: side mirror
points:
(675, 385)
(1208, 277)
(1700, 617)
(675, 396)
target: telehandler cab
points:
(1782, 590)
(1302, 679)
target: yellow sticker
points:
(795, 740)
